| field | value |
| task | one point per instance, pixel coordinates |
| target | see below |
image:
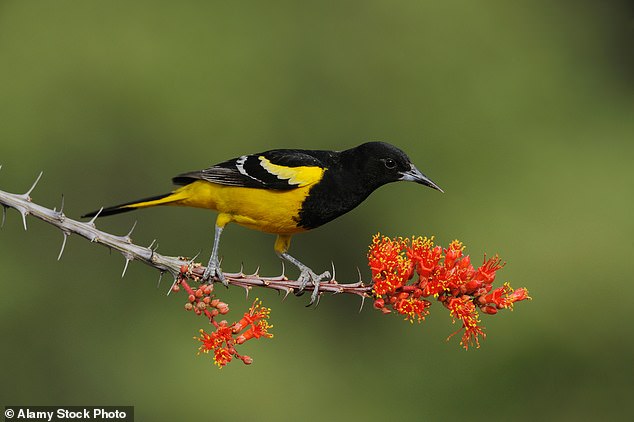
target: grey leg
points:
(213, 268)
(306, 275)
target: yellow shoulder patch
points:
(300, 176)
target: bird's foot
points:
(213, 271)
(307, 275)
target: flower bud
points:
(491, 310)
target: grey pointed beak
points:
(414, 175)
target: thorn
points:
(172, 286)
(23, 213)
(332, 280)
(359, 271)
(256, 273)
(127, 236)
(283, 275)
(362, 303)
(59, 214)
(159, 280)
(33, 186)
(247, 289)
(288, 291)
(152, 251)
(241, 269)
(92, 220)
(4, 215)
(66, 234)
(191, 261)
(125, 268)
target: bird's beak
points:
(414, 175)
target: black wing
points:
(280, 169)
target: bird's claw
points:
(213, 271)
(308, 275)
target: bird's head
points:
(381, 163)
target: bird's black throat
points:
(328, 200)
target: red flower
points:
(487, 270)
(519, 294)
(390, 267)
(446, 274)
(464, 310)
(223, 341)
(256, 331)
(412, 308)
(452, 253)
(222, 356)
(255, 313)
(211, 341)
(424, 255)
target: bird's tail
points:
(153, 201)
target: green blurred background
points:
(522, 111)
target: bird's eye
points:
(389, 163)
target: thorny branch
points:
(148, 255)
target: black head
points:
(380, 163)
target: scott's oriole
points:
(285, 191)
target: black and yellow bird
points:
(284, 192)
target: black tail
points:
(128, 206)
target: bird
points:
(284, 192)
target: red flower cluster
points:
(445, 274)
(223, 340)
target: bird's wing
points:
(276, 169)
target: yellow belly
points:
(265, 210)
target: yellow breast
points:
(271, 211)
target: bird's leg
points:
(306, 274)
(213, 268)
